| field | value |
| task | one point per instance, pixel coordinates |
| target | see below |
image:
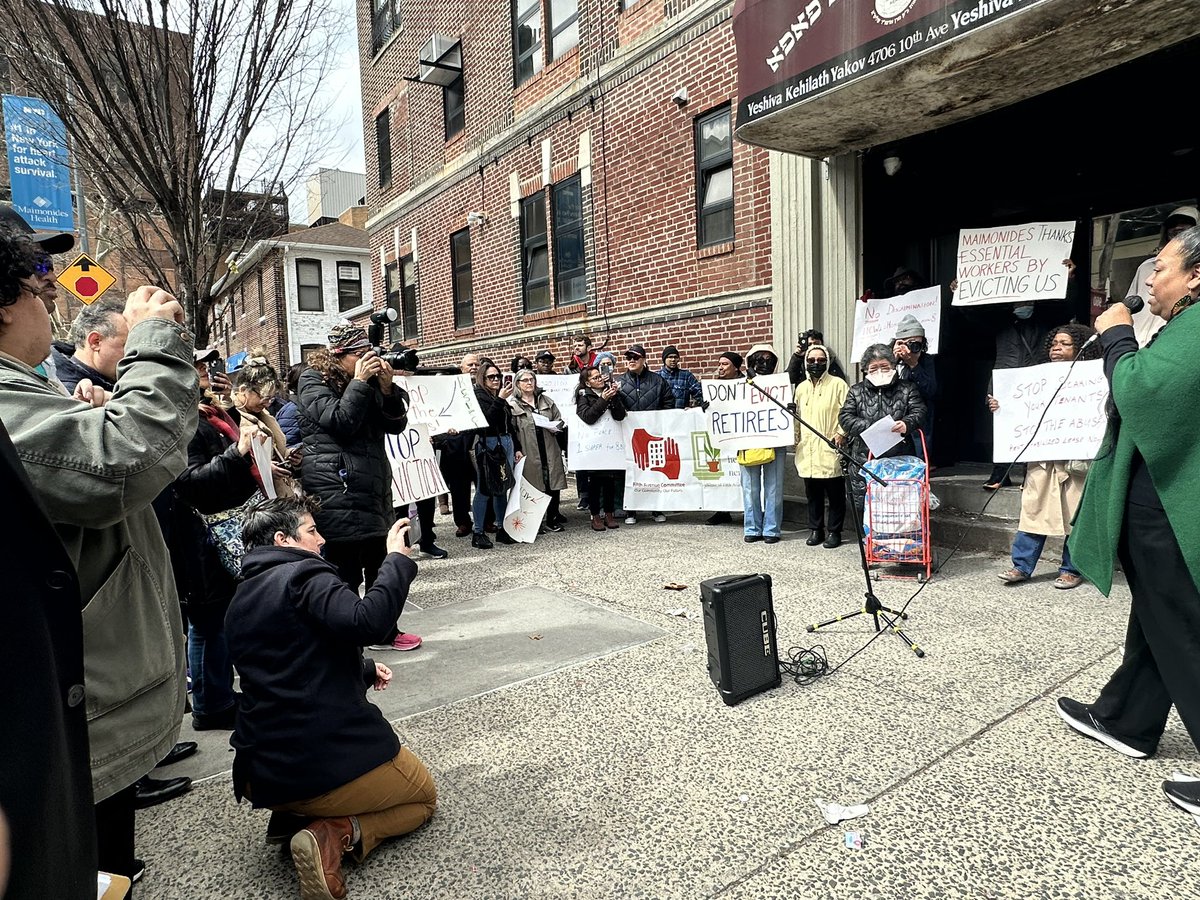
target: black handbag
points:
(495, 477)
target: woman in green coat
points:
(1139, 506)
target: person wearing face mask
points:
(762, 485)
(881, 393)
(916, 365)
(1146, 322)
(796, 365)
(819, 399)
(1052, 490)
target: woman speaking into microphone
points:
(1139, 506)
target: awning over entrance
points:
(822, 77)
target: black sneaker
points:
(435, 551)
(1184, 794)
(582, 504)
(553, 526)
(139, 869)
(1079, 717)
(502, 537)
(481, 541)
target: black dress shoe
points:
(149, 792)
(771, 539)
(481, 542)
(222, 721)
(818, 535)
(719, 518)
(834, 540)
(502, 537)
(284, 825)
(182, 750)
(752, 538)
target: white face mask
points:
(881, 379)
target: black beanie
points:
(734, 357)
(670, 350)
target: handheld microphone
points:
(1134, 302)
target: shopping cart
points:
(896, 517)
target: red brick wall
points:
(239, 327)
(640, 218)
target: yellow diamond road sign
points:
(86, 279)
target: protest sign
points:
(415, 472)
(442, 402)
(1074, 426)
(1013, 264)
(739, 417)
(561, 389)
(526, 507)
(875, 321)
(599, 446)
(671, 464)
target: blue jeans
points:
(762, 496)
(212, 672)
(479, 506)
(1027, 550)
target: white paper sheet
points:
(880, 438)
(260, 446)
(543, 422)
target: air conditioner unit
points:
(440, 61)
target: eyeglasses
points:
(43, 266)
(491, 377)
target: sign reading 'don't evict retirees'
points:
(739, 417)
(86, 279)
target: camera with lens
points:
(916, 345)
(397, 356)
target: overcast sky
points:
(343, 89)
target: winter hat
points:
(909, 327)
(669, 350)
(345, 337)
(734, 357)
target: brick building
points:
(285, 293)
(561, 167)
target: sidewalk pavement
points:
(581, 751)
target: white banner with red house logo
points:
(672, 464)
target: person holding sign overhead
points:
(1139, 506)
(1052, 489)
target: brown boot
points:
(317, 852)
(597, 523)
(611, 521)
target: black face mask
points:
(764, 365)
(817, 369)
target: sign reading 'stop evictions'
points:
(739, 417)
(1073, 427)
(1014, 264)
(875, 321)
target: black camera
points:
(397, 356)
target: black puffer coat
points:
(345, 464)
(217, 478)
(866, 404)
(498, 415)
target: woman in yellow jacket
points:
(819, 399)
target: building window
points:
(308, 285)
(464, 290)
(527, 38)
(454, 109)
(564, 26)
(535, 254)
(401, 283)
(385, 21)
(570, 267)
(349, 283)
(308, 349)
(530, 51)
(714, 178)
(383, 146)
(262, 300)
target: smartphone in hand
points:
(506, 380)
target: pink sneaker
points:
(406, 641)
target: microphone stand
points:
(871, 605)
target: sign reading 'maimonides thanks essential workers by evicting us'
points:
(1013, 264)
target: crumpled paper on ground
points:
(682, 612)
(835, 812)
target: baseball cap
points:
(635, 350)
(50, 242)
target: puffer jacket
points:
(590, 405)
(647, 391)
(289, 422)
(345, 464)
(97, 471)
(217, 478)
(866, 404)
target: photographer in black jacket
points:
(308, 741)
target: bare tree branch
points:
(185, 119)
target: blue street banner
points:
(38, 168)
